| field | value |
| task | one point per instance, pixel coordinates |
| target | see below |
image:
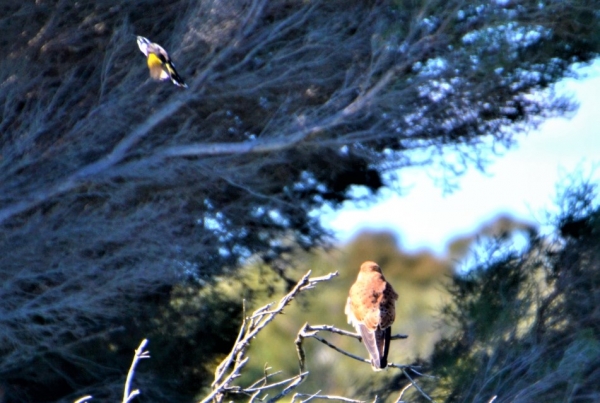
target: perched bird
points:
(160, 64)
(371, 309)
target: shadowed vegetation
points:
(527, 324)
(120, 195)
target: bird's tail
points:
(175, 77)
(383, 345)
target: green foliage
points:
(527, 325)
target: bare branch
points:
(297, 381)
(425, 395)
(323, 397)
(308, 331)
(128, 395)
(272, 385)
(140, 354)
(404, 389)
(334, 329)
(74, 180)
(264, 379)
(230, 368)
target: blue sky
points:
(521, 183)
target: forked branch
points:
(308, 331)
(231, 367)
(128, 394)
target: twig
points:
(334, 329)
(264, 378)
(413, 368)
(324, 397)
(127, 395)
(139, 355)
(310, 397)
(404, 389)
(272, 385)
(302, 334)
(229, 359)
(417, 387)
(254, 396)
(308, 331)
(289, 388)
(399, 366)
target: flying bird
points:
(371, 309)
(160, 64)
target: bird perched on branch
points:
(160, 64)
(371, 309)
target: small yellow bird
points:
(160, 64)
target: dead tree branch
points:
(308, 331)
(322, 397)
(417, 387)
(128, 394)
(404, 389)
(231, 367)
(140, 354)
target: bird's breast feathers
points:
(154, 61)
(371, 301)
(157, 70)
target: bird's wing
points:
(370, 339)
(348, 311)
(175, 77)
(365, 324)
(387, 306)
